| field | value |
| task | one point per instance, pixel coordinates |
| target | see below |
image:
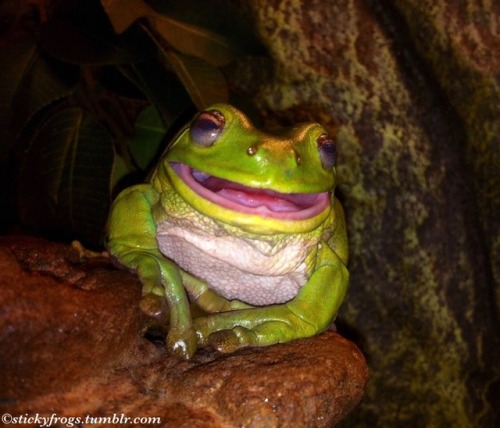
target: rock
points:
(413, 88)
(74, 345)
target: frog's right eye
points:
(207, 127)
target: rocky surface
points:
(73, 344)
(412, 88)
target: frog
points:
(237, 237)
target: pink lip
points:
(248, 200)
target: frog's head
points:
(267, 183)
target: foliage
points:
(89, 92)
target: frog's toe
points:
(231, 340)
(183, 344)
(154, 306)
(203, 331)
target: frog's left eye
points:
(327, 148)
(207, 127)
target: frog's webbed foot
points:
(85, 253)
(263, 326)
(309, 313)
(230, 340)
(165, 300)
(181, 338)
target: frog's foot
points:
(85, 253)
(155, 307)
(230, 340)
(229, 331)
(182, 343)
(182, 340)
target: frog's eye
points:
(207, 127)
(327, 151)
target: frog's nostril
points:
(252, 150)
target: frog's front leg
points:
(132, 241)
(207, 299)
(309, 313)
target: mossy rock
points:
(413, 89)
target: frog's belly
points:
(240, 274)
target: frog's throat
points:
(236, 201)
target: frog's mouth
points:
(262, 202)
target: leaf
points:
(16, 59)
(205, 84)
(189, 27)
(120, 171)
(212, 30)
(149, 134)
(28, 83)
(192, 40)
(123, 13)
(165, 92)
(65, 177)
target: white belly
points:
(252, 271)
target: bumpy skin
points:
(145, 218)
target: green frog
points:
(244, 225)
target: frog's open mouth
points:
(263, 202)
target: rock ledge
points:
(74, 346)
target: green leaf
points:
(149, 134)
(64, 181)
(123, 13)
(120, 171)
(161, 88)
(28, 83)
(205, 84)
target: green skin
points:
(292, 164)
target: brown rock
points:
(73, 345)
